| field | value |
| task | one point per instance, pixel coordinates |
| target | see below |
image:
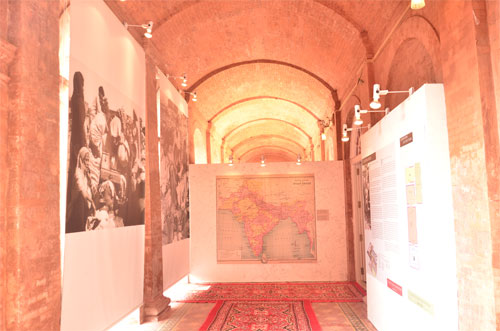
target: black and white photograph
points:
(174, 173)
(365, 172)
(106, 157)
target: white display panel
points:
(331, 264)
(410, 217)
(103, 273)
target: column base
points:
(152, 311)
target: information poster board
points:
(408, 217)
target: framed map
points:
(266, 219)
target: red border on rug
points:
(360, 288)
(313, 320)
(279, 283)
(211, 316)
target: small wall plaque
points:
(323, 215)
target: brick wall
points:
(32, 279)
(461, 49)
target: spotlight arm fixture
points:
(183, 77)
(357, 108)
(195, 96)
(377, 92)
(146, 26)
(345, 129)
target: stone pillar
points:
(349, 227)
(29, 131)
(490, 115)
(208, 142)
(338, 132)
(154, 303)
(7, 51)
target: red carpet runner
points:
(314, 292)
(261, 316)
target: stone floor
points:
(190, 316)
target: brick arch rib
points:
(262, 97)
(237, 64)
(264, 136)
(267, 146)
(267, 119)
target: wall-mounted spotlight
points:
(417, 4)
(299, 160)
(231, 160)
(357, 115)
(262, 161)
(194, 98)
(377, 92)
(345, 129)
(183, 78)
(147, 26)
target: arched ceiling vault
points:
(270, 142)
(279, 123)
(262, 139)
(267, 79)
(274, 155)
(268, 152)
(253, 60)
(228, 107)
(202, 37)
(257, 109)
(195, 85)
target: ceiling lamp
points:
(417, 4)
(299, 160)
(262, 161)
(377, 92)
(147, 26)
(357, 115)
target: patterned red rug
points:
(261, 316)
(314, 291)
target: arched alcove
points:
(411, 67)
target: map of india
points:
(266, 218)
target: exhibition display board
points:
(281, 222)
(103, 273)
(173, 145)
(408, 217)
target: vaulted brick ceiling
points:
(264, 71)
